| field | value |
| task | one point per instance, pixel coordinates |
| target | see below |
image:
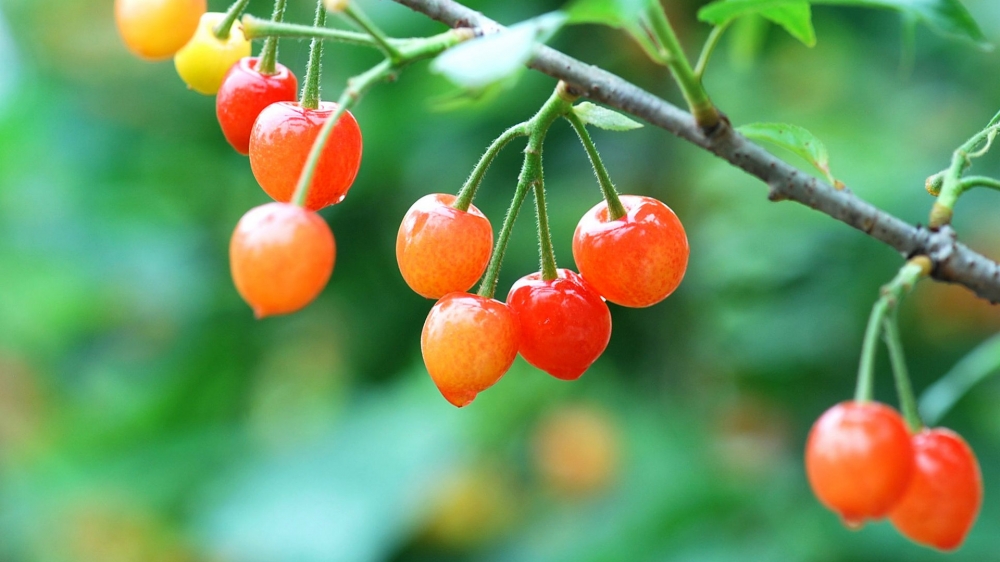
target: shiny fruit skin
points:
(205, 59)
(859, 460)
(468, 343)
(440, 249)
(244, 93)
(637, 260)
(157, 29)
(565, 324)
(279, 147)
(945, 493)
(281, 257)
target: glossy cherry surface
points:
(468, 343)
(440, 249)
(637, 260)
(281, 257)
(565, 324)
(204, 61)
(279, 147)
(156, 29)
(244, 93)
(859, 460)
(945, 494)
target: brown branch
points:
(953, 262)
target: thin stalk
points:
(356, 15)
(269, 54)
(907, 401)
(706, 51)
(546, 254)
(232, 14)
(256, 28)
(489, 284)
(979, 181)
(615, 208)
(468, 191)
(951, 186)
(311, 90)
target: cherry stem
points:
(615, 208)
(311, 90)
(489, 285)
(269, 54)
(354, 14)
(468, 191)
(546, 254)
(232, 14)
(706, 51)
(255, 28)
(907, 401)
(891, 294)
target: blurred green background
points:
(146, 416)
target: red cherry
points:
(945, 494)
(859, 460)
(440, 249)
(244, 93)
(637, 260)
(280, 143)
(565, 324)
(468, 343)
(281, 257)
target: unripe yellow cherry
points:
(206, 59)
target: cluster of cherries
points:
(560, 325)
(863, 463)
(281, 254)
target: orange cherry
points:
(157, 29)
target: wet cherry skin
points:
(157, 29)
(280, 143)
(945, 494)
(244, 93)
(204, 61)
(281, 257)
(637, 260)
(565, 324)
(440, 249)
(859, 460)
(468, 343)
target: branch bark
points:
(953, 262)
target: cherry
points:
(945, 494)
(156, 29)
(468, 343)
(636, 260)
(441, 249)
(281, 257)
(244, 93)
(279, 147)
(205, 59)
(565, 324)
(859, 460)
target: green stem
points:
(701, 106)
(891, 294)
(706, 51)
(979, 181)
(255, 28)
(546, 255)
(951, 184)
(311, 90)
(269, 54)
(489, 285)
(355, 14)
(232, 14)
(907, 402)
(977, 366)
(468, 191)
(615, 208)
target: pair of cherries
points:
(560, 325)
(863, 463)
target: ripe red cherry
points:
(280, 143)
(468, 343)
(859, 460)
(565, 324)
(945, 493)
(636, 260)
(244, 93)
(281, 257)
(440, 249)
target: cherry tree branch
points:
(953, 262)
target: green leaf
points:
(795, 16)
(974, 368)
(622, 14)
(604, 118)
(946, 17)
(483, 61)
(794, 139)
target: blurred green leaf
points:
(622, 14)
(972, 369)
(795, 16)
(795, 139)
(487, 60)
(947, 17)
(604, 118)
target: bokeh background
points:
(146, 416)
